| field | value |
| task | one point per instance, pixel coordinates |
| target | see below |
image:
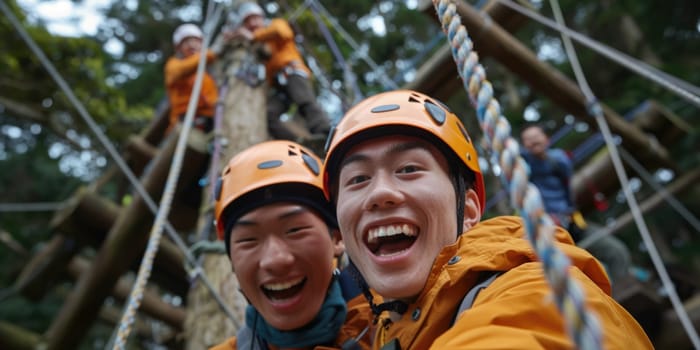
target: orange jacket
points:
(180, 74)
(515, 311)
(359, 316)
(278, 36)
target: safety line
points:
(348, 75)
(386, 80)
(144, 273)
(582, 326)
(676, 85)
(80, 108)
(28, 207)
(665, 194)
(595, 109)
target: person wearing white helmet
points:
(287, 74)
(180, 74)
(180, 71)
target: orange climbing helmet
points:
(408, 113)
(271, 171)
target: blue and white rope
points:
(583, 326)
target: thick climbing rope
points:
(583, 327)
(685, 90)
(136, 295)
(595, 110)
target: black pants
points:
(297, 90)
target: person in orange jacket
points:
(404, 176)
(180, 75)
(282, 238)
(287, 74)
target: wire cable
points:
(582, 326)
(27, 207)
(596, 110)
(667, 196)
(386, 80)
(144, 273)
(681, 88)
(80, 108)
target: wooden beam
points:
(88, 217)
(243, 125)
(490, 39)
(660, 127)
(685, 181)
(152, 304)
(18, 338)
(46, 267)
(672, 334)
(123, 246)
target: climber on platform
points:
(287, 74)
(180, 74)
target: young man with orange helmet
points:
(405, 178)
(282, 238)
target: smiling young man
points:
(282, 238)
(405, 178)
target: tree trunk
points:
(243, 124)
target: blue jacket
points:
(552, 176)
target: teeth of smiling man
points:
(390, 230)
(282, 286)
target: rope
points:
(349, 76)
(582, 326)
(386, 80)
(670, 198)
(111, 150)
(144, 273)
(681, 88)
(596, 110)
(25, 207)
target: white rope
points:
(596, 110)
(136, 295)
(665, 194)
(111, 150)
(386, 80)
(26, 207)
(681, 88)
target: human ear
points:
(338, 245)
(472, 210)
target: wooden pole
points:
(244, 124)
(662, 129)
(152, 303)
(18, 338)
(123, 246)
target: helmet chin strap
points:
(397, 306)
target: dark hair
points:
(529, 125)
(290, 192)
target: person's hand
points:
(240, 33)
